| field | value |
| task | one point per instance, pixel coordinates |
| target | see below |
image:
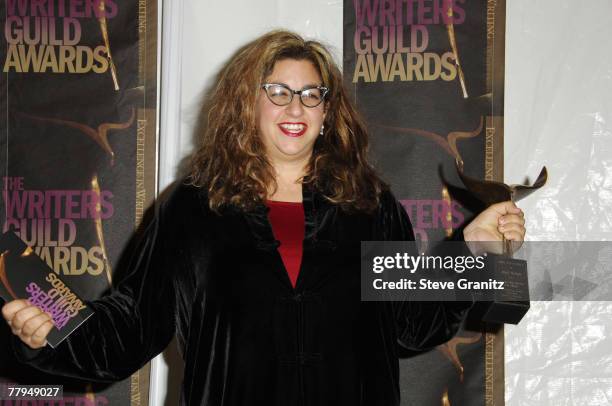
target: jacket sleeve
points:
(420, 325)
(132, 324)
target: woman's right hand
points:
(28, 322)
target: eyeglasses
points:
(282, 95)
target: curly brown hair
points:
(231, 161)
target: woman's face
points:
(289, 132)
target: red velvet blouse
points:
(287, 220)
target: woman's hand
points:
(28, 322)
(498, 221)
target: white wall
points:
(558, 113)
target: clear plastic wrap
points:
(559, 114)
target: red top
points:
(287, 220)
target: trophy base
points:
(500, 312)
(510, 304)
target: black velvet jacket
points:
(247, 336)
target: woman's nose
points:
(295, 108)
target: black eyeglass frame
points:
(324, 90)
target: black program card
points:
(23, 275)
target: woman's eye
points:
(279, 91)
(314, 95)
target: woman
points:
(254, 262)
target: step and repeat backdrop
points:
(78, 96)
(429, 78)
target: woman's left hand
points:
(498, 221)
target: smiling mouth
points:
(293, 129)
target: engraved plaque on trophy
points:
(511, 303)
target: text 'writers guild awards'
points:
(510, 304)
